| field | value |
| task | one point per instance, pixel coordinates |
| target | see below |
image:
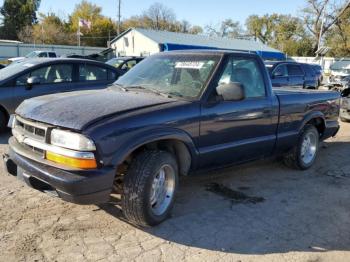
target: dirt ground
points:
(305, 216)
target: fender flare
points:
(308, 117)
(148, 136)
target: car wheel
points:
(304, 153)
(149, 188)
(3, 122)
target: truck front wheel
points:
(149, 188)
(304, 153)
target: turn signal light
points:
(70, 161)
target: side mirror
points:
(233, 91)
(33, 80)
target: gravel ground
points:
(305, 216)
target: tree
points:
(227, 28)
(101, 27)
(17, 14)
(327, 12)
(160, 17)
(283, 32)
(262, 27)
(338, 37)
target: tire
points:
(299, 159)
(3, 122)
(139, 199)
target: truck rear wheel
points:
(149, 188)
(304, 153)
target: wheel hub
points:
(162, 189)
(308, 148)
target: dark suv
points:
(292, 74)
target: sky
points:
(197, 12)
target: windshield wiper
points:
(174, 93)
(121, 87)
(155, 91)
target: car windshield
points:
(13, 69)
(172, 74)
(115, 62)
(32, 54)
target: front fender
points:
(147, 136)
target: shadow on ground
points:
(302, 211)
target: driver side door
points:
(238, 131)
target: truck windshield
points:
(173, 74)
(32, 54)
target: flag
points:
(84, 23)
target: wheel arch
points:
(316, 119)
(4, 110)
(176, 142)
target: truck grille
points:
(29, 129)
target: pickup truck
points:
(173, 114)
(34, 54)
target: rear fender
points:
(310, 116)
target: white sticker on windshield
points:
(189, 64)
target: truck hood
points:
(76, 110)
(14, 59)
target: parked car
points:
(173, 114)
(345, 105)
(36, 77)
(124, 63)
(292, 74)
(319, 73)
(338, 71)
(35, 54)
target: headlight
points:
(71, 140)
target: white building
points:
(144, 42)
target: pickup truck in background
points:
(171, 115)
(34, 54)
(292, 74)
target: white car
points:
(35, 54)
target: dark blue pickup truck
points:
(173, 114)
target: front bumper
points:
(80, 187)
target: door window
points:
(42, 55)
(247, 72)
(280, 71)
(129, 64)
(49, 74)
(295, 70)
(92, 73)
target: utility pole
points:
(322, 25)
(119, 16)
